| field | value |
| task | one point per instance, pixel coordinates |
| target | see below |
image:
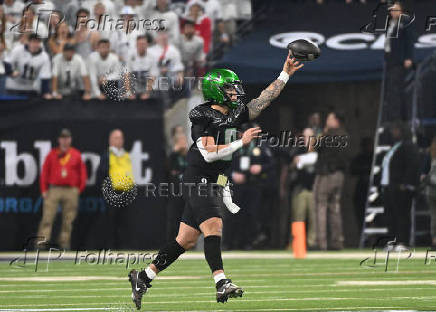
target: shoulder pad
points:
(199, 113)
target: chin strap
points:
(227, 199)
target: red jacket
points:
(203, 28)
(63, 169)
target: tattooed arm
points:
(257, 105)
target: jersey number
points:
(68, 79)
(28, 72)
(230, 135)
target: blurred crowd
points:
(94, 48)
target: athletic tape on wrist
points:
(283, 77)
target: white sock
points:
(219, 277)
(150, 273)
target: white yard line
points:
(385, 283)
(241, 300)
(89, 278)
(274, 309)
(208, 294)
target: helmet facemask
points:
(234, 88)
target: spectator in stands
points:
(61, 36)
(63, 178)
(69, 10)
(104, 69)
(176, 165)
(43, 8)
(109, 7)
(314, 122)
(86, 41)
(98, 11)
(2, 69)
(214, 10)
(125, 39)
(230, 16)
(221, 36)
(28, 68)
(7, 22)
(70, 75)
(203, 25)
(330, 168)
(430, 188)
(115, 163)
(399, 179)
(53, 22)
(169, 18)
(169, 59)
(399, 45)
(3, 25)
(303, 207)
(192, 50)
(30, 23)
(145, 68)
(143, 8)
(14, 10)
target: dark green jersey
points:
(208, 122)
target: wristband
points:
(283, 77)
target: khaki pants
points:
(68, 197)
(327, 191)
(303, 209)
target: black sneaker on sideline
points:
(225, 289)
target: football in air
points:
(304, 50)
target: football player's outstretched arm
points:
(212, 152)
(257, 105)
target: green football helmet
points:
(217, 82)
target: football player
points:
(214, 126)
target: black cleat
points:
(139, 287)
(225, 289)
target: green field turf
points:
(271, 284)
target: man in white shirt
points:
(144, 66)
(109, 6)
(28, 69)
(13, 10)
(168, 56)
(191, 49)
(104, 68)
(124, 39)
(170, 20)
(70, 75)
(170, 68)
